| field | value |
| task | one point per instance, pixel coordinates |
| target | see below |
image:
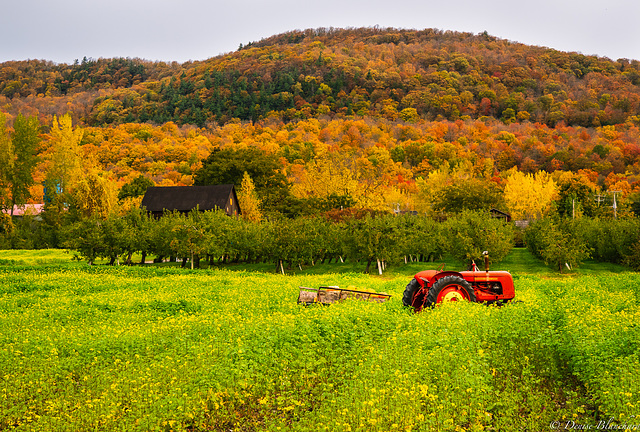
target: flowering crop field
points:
(87, 348)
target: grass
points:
(159, 348)
(34, 258)
(519, 262)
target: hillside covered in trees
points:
(372, 118)
(379, 73)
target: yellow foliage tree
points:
(431, 186)
(65, 162)
(249, 201)
(96, 194)
(529, 196)
(328, 174)
(398, 199)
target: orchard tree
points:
(115, 237)
(424, 238)
(161, 234)
(290, 242)
(608, 239)
(470, 233)
(374, 238)
(220, 232)
(137, 225)
(284, 243)
(189, 237)
(85, 237)
(556, 243)
(246, 239)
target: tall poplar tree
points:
(65, 167)
(26, 138)
(249, 201)
(6, 163)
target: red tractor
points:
(430, 287)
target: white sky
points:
(182, 30)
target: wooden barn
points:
(187, 198)
(495, 213)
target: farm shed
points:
(187, 198)
(26, 210)
(495, 213)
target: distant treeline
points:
(386, 73)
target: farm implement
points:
(334, 294)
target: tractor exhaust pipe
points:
(486, 260)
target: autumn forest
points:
(384, 119)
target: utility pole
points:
(615, 204)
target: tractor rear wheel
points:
(450, 288)
(410, 292)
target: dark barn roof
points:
(500, 214)
(187, 198)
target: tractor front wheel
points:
(408, 297)
(450, 288)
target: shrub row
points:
(567, 242)
(372, 239)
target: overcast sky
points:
(172, 30)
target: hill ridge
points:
(361, 71)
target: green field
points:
(87, 348)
